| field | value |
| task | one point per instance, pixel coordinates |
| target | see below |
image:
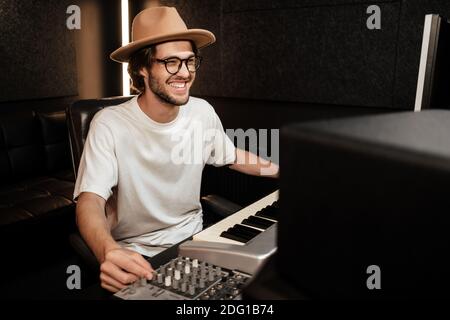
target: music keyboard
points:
(245, 219)
(249, 253)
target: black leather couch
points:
(36, 207)
(35, 167)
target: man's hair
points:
(138, 60)
(143, 58)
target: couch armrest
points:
(219, 206)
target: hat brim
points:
(200, 37)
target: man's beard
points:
(162, 94)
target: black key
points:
(253, 224)
(268, 212)
(227, 235)
(272, 210)
(244, 232)
(257, 222)
(237, 233)
(262, 214)
(262, 221)
(247, 229)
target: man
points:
(137, 191)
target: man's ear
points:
(144, 72)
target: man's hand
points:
(122, 267)
(118, 267)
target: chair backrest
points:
(79, 116)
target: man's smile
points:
(179, 86)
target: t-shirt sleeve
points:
(223, 151)
(97, 172)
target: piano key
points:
(227, 235)
(212, 234)
(258, 222)
(242, 228)
(243, 234)
(263, 221)
(271, 210)
(267, 213)
(252, 224)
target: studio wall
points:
(314, 51)
(37, 51)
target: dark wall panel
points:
(307, 51)
(312, 51)
(316, 54)
(37, 51)
(204, 14)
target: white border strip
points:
(423, 62)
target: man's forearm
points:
(94, 227)
(251, 164)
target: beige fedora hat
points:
(160, 24)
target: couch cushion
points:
(21, 152)
(34, 197)
(13, 215)
(55, 140)
(55, 187)
(33, 144)
(35, 165)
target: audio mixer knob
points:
(168, 281)
(175, 284)
(191, 289)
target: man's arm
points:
(118, 266)
(249, 163)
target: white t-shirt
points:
(154, 168)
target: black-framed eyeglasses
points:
(173, 64)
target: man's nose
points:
(184, 72)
